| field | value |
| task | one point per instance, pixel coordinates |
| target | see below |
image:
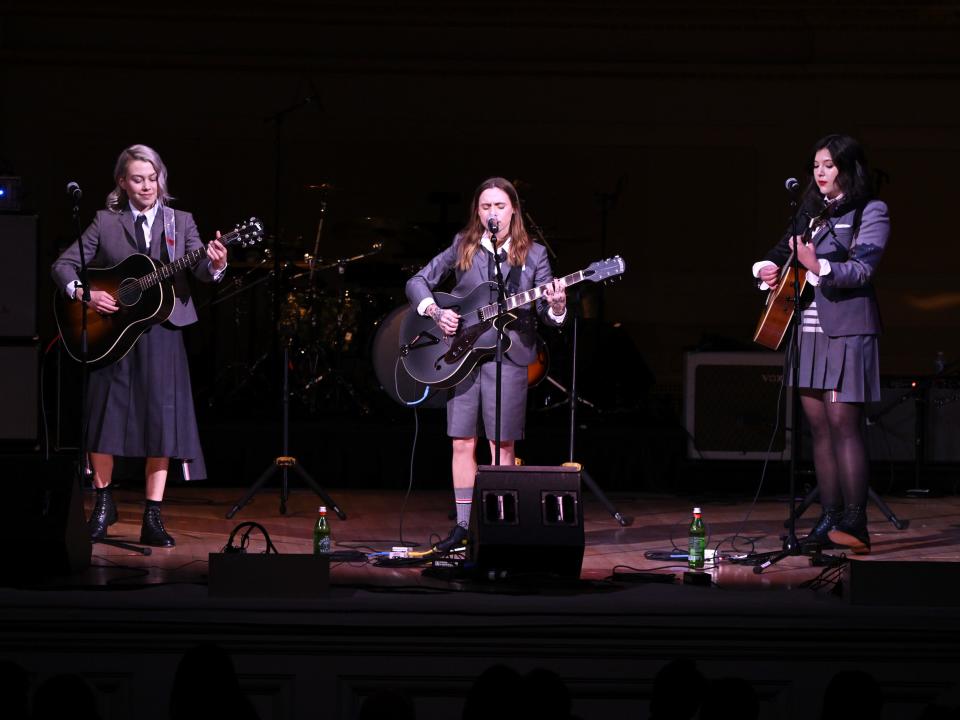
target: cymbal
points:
(323, 187)
(400, 239)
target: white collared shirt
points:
(150, 214)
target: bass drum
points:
(391, 375)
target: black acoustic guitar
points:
(143, 288)
(434, 359)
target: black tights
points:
(839, 454)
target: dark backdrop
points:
(676, 123)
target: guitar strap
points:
(170, 233)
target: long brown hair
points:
(470, 236)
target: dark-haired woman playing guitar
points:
(840, 324)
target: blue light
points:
(3, 191)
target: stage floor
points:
(125, 622)
(378, 520)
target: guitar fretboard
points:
(489, 312)
(165, 272)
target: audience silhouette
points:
(206, 686)
(678, 690)
(64, 696)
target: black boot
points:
(456, 539)
(152, 531)
(851, 531)
(104, 514)
(829, 518)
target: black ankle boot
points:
(104, 514)
(457, 538)
(829, 518)
(851, 531)
(152, 531)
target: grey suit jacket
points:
(110, 238)
(535, 271)
(846, 300)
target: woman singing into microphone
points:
(839, 357)
(494, 213)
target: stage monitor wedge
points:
(527, 521)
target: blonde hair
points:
(117, 200)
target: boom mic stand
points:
(285, 462)
(85, 379)
(621, 519)
(572, 396)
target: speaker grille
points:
(734, 406)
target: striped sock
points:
(463, 498)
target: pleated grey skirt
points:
(142, 405)
(850, 365)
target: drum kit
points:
(331, 311)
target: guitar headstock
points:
(605, 269)
(245, 234)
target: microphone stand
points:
(791, 546)
(86, 548)
(572, 397)
(498, 357)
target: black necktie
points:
(138, 233)
(491, 268)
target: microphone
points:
(74, 191)
(493, 225)
(792, 185)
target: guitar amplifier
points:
(736, 406)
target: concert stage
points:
(124, 623)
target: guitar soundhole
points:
(130, 292)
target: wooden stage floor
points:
(379, 520)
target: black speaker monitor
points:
(527, 520)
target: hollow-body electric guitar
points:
(434, 359)
(143, 288)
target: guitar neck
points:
(488, 312)
(165, 272)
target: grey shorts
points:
(471, 405)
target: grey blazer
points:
(846, 300)
(110, 238)
(535, 271)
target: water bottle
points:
(321, 534)
(939, 363)
(698, 541)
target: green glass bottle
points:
(321, 534)
(698, 541)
